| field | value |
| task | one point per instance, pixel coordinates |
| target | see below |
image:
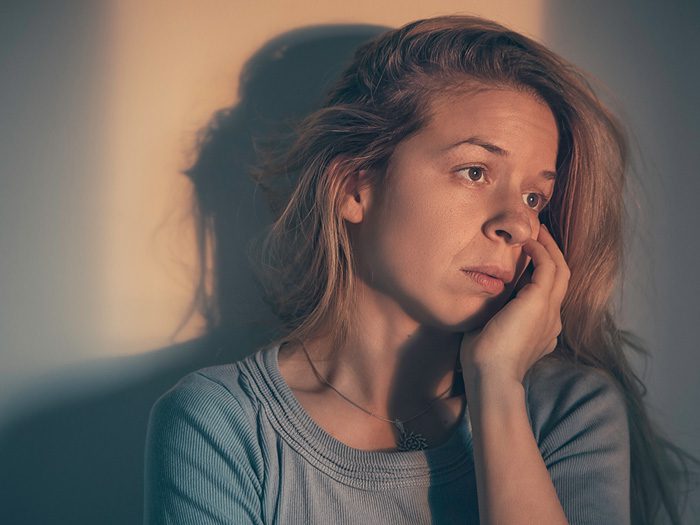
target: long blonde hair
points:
(305, 260)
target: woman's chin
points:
(484, 314)
(466, 324)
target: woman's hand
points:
(526, 328)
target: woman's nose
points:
(512, 225)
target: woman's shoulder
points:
(212, 397)
(203, 453)
(579, 419)
(214, 385)
(563, 394)
(557, 372)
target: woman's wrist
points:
(489, 374)
(495, 388)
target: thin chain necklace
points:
(406, 440)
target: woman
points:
(443, 267)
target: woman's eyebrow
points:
(497, 150)
(476, 141)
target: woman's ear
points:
(356, 196)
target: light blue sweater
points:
(231, 444)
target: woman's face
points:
(465, 191)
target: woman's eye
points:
(473, 173)
(536, 201)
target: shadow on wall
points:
(77, 458)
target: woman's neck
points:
(384, 373)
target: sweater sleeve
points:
(201, 458)
(579, 419)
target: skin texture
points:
(443, 207)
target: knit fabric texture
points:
(230, 444)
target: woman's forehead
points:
(508, 118)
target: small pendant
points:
(409, 440)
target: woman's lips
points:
(485, 281)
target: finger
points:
(524, 278)
(545, 268)
(561, 282)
